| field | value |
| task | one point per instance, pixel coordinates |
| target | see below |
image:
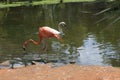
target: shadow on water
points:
(84, 42)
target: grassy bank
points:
(26, 3)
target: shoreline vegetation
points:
(33, 3)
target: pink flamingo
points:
(46, 32)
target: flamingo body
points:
(46, 32)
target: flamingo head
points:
(25, 45)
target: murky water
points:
(85, 42)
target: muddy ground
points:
(65, 72)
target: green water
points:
(85, 41)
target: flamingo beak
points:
(65, 26)
(24, 48)
(24, 45)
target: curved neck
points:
(60, 29)
(35, 42)
(31, 40)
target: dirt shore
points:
(66, 72)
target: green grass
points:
(3, 5)
(25, 3)
(16, 4)
(45, 2)
(78, 0)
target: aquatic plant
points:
(112, 12)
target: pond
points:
(85, 41)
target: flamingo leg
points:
(45, 45)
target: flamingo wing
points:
(47, 32)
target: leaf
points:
(115, 21)
(105, 10)
(104, 18)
